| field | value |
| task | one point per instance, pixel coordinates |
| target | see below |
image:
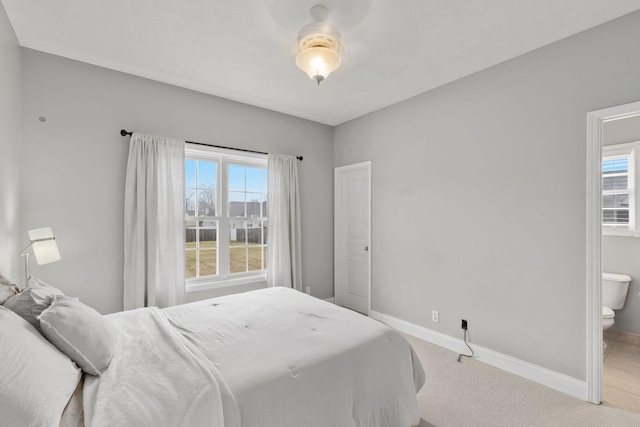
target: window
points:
(618, 189)
(615, 191)
(225, 217)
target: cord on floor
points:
(472, 352)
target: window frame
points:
(224, 157)
(630, 151)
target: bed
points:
(267, 358)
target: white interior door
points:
(353, 237)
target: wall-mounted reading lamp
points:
(44, 247)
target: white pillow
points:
(7, 289)
(36, 380)
(80, 332)
(29, 303)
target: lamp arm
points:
(25, 251)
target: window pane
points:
(237, 233)
(236, 178)
(190, 235)
(265, 180)
(207, 202)
(255, 258)
(265, 226)
(236, 204)
(190, 202)
(264, 258)
(614, 182)
(190, 173)
(622, 216)
(615, 165)
(254, 233)
(238, 260)
(207, 174)
(615, 201)
(265, 212)
(208, 262)
(208, 234)
(253, 179)
(253, 205)
(607, 217)
(190, 263)
(615, 216)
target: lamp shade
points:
(318, 62)
(44, 245)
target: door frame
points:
(595, 121)
(338, 230)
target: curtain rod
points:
(125, 133)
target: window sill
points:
(216, 284)
(627, 233)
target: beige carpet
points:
(471, 393)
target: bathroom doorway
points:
(605, 128)
(620, 254)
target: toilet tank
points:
(614, 290)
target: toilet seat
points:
(608, 318)
(607, 313)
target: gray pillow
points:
(7, 289)
(29, 303)
(80, 332)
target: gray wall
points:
(10, 144)
(621, 254)
(74, 166)
(490, 172)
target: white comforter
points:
(268, 358)
(154, 379)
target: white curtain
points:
(154, 223)
(284, 257)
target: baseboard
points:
(622, 336)
(540, 375)
(331, 300)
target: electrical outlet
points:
(435, 316)
(308, 290)
(464, 324)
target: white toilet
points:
(614, 294)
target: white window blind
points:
(618, 189)
(615, 191)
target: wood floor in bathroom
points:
(621, 370)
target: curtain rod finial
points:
(125, 133)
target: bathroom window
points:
(615, 191)
(618, 189)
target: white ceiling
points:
(245, 50)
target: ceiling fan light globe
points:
(318, 61)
